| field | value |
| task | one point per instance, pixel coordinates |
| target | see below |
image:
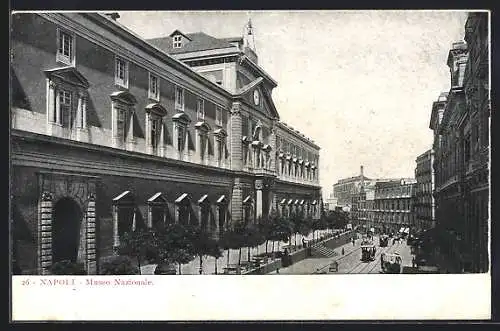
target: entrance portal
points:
(66, 230)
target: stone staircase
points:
(323, 251)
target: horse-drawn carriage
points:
(391, 263)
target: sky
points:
(359, 83)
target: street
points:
(350, 262)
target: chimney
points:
(114, 16)
(361, 171)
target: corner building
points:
(424, 205)
(111, 132)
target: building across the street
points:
(393, 205)
(111, 132)
(382, 203)
(460, 121)
(424, 206)
(346, 188)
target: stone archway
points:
(67, 219)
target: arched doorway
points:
(66, 230)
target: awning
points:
(402, 230)
(222, 199)
(282, 202)
(302, 201)
(290, 201)
(407, 230)
(314, 202)
(203, 199)
(157, 198)
(296, 202)
(183, 197)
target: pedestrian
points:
(277, 270)
(413, 262)
(342, 250)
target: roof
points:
(198, 41)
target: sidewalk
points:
(192, 268)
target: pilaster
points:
(236, 143)
(45, 234)
(91, 261)
(237, 202)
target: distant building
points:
(424, 200)
(393, 205)
(344, 189)
(370, 201)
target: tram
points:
(383, 240)
(368, 251)
(391, 263)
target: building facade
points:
(424, 205)
(461, 145)
(393, 205)
(111, 132)
(346, 188)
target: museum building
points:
(111, 132)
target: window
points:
(220, 146)
(179, 98)
(181, 138)
(82, 114)
(177, 41)
(121, 72)
(154, 87)
(122, 113)
(155, 132)
(218, 116)
(64, 110)
(201, 109)
(65, 47)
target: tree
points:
(119, 265)
(174, 243)
(295, 222)
(138, 244)
(281, 230)
(305, 227)
(251, 237)
(264, 225)
(202, 243)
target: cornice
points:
(41, 139)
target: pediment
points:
(124, 198)
(157, 198)
(265, 102)
(124, 96)
(69, 75)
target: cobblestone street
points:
(350, 262)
